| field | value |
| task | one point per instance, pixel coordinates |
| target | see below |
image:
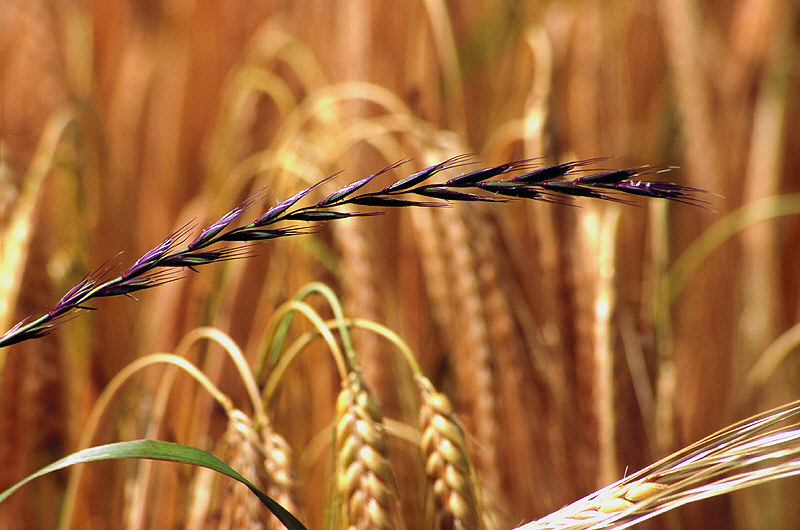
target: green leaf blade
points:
(166, 451)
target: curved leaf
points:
(158, 450)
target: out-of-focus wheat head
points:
(278, 463)
(262, 456)
(237, 508)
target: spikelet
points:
(365, 482)
(447, 464)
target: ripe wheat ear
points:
(759, 449)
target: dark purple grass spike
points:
(275, 212)
(474, 177)
(663, 190)
(192, 259)
(355, 186)
(152, 256)
(132, 285)
(552, 172)
(441, 192)
(554, 184)
(568, 188)
(261, 234)
(72, 297)
(324, 215)
(428, 172)
(208, 234)
(512, 189)
(610, 177)
(378, 201)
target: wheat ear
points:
(365, 481)
(447, 463)
(266, 459)
(238, 508)
(759, 449)
(278, 463)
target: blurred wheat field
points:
(574, 343)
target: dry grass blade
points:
(365, 481)
(763, 448)
(447, 463)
